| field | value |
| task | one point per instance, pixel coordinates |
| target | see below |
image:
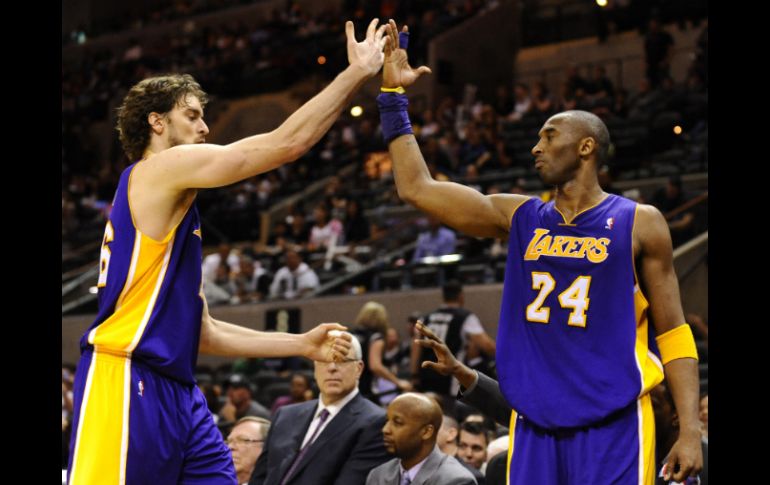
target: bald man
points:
(410, 433)
(577, 374)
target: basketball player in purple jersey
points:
(575, 355)
(139, 417)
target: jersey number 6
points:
(104, 258)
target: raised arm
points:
(660, 284)
(206, 165)
(456, 205)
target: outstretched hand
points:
(367, 54)
(447, 364)
(397, 71)
(327, 343)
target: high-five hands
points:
(367, 54)
(397, 72)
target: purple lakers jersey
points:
(572, 343)
(149, 306)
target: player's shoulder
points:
(650, 227)
(509, 204)
(647, 215)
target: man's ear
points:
(156, 122)
(587, 146)
(428, 431)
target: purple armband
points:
(393, 115)
(403, 40)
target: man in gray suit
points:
(410, 432)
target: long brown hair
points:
(156, 94)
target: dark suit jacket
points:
(487, 398)
(344, 453)
(438, 469)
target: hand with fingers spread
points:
(447, 364)
(397, 72)
(367, 54)
(327, 343)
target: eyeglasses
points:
(242, 441)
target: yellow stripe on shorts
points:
(102, 434)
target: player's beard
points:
(173, 138)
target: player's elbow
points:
(298, 147)
(407, 194)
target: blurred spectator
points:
(456, 326)
(496, 446)
(370, 328)
(503, 103)
(600, 93)
(448, 435)
(436, 241)
(211, 392)
(619, 104)
(212, 262)
(542, 102)
(326, 231)
(474, 149)
(356, 225)
(300, 391)
(250, 283)
(246, 441)
(703, 415)
(240, 401)
(293, 280)
(574, 80)
(658, 51)
(669, 198)
(600, 85)
(566, 98)
(522, 102)
(430, 126)
(396, 355)
(646, 102)
(299, 232)
(218, 289)
(473, 444)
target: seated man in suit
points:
(410, 433)
(335, 439)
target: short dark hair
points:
(156, 94)
(474, 427)
(594, 127)
(237, 381)
(451, 290)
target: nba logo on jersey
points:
(610, 223)
(141, 389)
